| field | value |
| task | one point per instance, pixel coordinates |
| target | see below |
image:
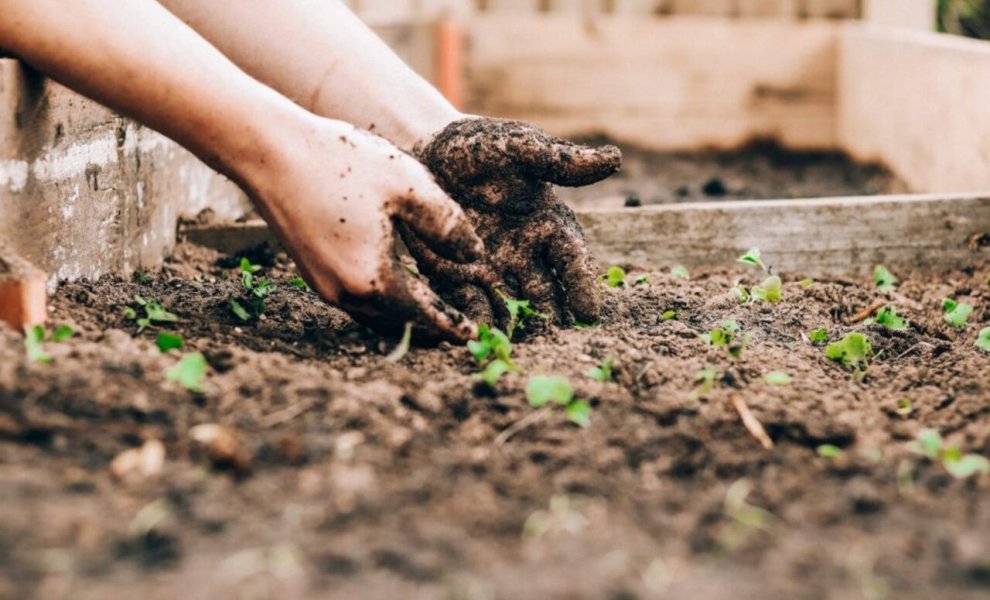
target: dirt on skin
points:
(358, 478)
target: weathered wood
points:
(830, 236)
(664, 84)
(912, 14)
(23, 292)
(917, 102)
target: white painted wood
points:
(675, 83)
(918, 102)
(910, 14)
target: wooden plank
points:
(816, 237)
(23, 293)
(911, 14)
(917, 102)
(651, 83)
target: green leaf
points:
(34, 338)
(614, 277)
(888, 317)
(770, 290)
(579, 413)
(642, 279)
(519, 313)
(928, 443)
(705, 379)
(157, 313)
(169, 341)
(967, 466)
(602, 373)
(956, 313)
(247, 267)
(491, 343)
(189, 372)
(983, 340)
(752, 258)
(681, 272)
(806, 283)
(63, 333)
(829, 451)
(777, 378)
(543, 389)
(263, 287)
(853, 351)
(403, 348)
(818, 336)
(884, 279)
(668, 315)
(493, 372)
(239, 310)
(741, 293)
(581, 325)
(300, 283)
(904, 407)
(130, 313)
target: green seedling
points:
(252, 305)
(403, 347)
(581, 325)
(853, 351)
(669, 315)
(153, 310)
(904, 407)
(494, 371)
(778, 378)
(494, 348)
(519, 313)
(604, 372)
(300, 283)
(34, 339)
(705, 379)
(728, 336)
(543, 390)
(829, 451)
(956, 313)
(745, 519)
(884, 279)
(189, 372)
(741, 294)
(806, 283)
(752, 258)
(888, 317)
(614, 277)
(771, 290)
(929, 443)
(818, 336)
(169, 341)
(62, 333)
(642, 280)
(681, 272)
(983, 340)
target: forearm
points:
(323, 57)
(137, 58)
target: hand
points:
(334, 198)
(502, 173)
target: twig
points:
(867, 312)
(751, 422)
(287, 414)
(912, 349)
(527, 421)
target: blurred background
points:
(965, 17)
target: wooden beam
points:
(23, 292)
(830, 236)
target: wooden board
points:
(23, 293)
(830, 236)
(919, 102)
(663, 84)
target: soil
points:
(341, 475)
(761, 170)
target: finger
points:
(541, 291)
(474, 303)
(562, 162)
(576, 270)
(436, 318)
(440, 222)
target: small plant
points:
(614, 277)
(884, 279)
(300, 283)
(62, 333)
(983, 340)
(956, 313)
(642, 280)
(153, 310)
(904, 407)
(771, 290)
(705, 379)
(778, 378)
(34, 339)
(169, 341)
(853, 351)
(604, 372)
(252, 305)
(829, 451)
(494, 350)
(543, 390)
(402, 348)
(806, 283)
(752, 258)
(728, 336)
(681, 272)
(669, 315)
(519, 313)
(189, 372)
(818, 336)
(741, 294)
(929, 443)
(888, 317)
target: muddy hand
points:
(502, 172)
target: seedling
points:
(956, 313)
(519, 313)
(300, 283)
(806, 283)
(681, 272)
(492, 347)
(884, 279)
(853, 351)
(189, 372)
(642, 280)
(961, 466)
(403, 348)
(983, 340)
(727, 336)
(153, 310)
(818, 336)
(257, 288)
(669, 315)
(829, 451)
(169, 341)
(494, 371)
(888, 317)
(604, 372)
(705, 379)
(771, 290)
(777, 378)
(614, 277)
(543, 390)
(752, 258)
(34, 339)
(62, 333)
(746, 518)
(741, 293)
(904, 407)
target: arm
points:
(331, 192)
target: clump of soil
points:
(363, 478)
(762, 170)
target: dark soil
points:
(762, 170)
(349, 477)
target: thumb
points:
(440, 222)
(565, 163)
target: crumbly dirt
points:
(761, 170)
(358, 478)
